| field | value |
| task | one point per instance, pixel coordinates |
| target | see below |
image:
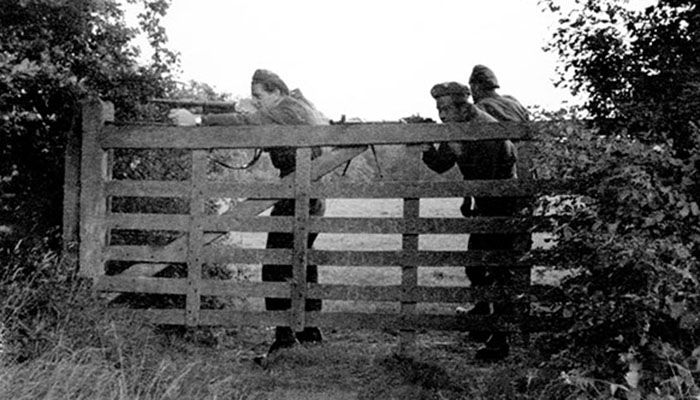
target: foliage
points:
(200, 91)
(639, 67)
(635, 240)
(41, 296)
(53, 53)
(416, 119)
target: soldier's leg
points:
(478, 278)
(496, 346)
(311, 334)
(277, 272)
(284, 335)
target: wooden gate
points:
(410, 183)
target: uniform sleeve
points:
(291, 112)
(493, 110)
(504, 108)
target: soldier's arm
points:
(440, 160)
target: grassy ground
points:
(349, 365)
(129, 359)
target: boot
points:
(496, 348)
(310, 335)
(284, 339)
(480, 308)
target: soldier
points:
(493, 159)
(483, 84)
(276, 105)
(504, 108)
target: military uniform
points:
(483, 160)
(503, 109)
(292, 109)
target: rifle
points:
(208, 106)
(212, 107)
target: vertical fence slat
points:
(526, 173)
(302, 187)
(409, 242)
(93, 205)
(195, 238)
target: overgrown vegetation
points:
(638, 68)
(52, 54)
(634, 240)
(636, 236)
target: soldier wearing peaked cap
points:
(453, 104)
(450, 88)
(491, 159)
(476, 160)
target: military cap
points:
(269, 80)
(449, 88)
(482, 76)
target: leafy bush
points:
(637, 66)
(635, 243)
(52, 54)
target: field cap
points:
(270, 80)
(483, 77)
(449, 88)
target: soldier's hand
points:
(182, 117)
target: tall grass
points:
(62, 342)
(89, 374)
(58, 340)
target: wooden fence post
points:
(93, 205)
(71, 194)
(195, 237)
(302, 187)
(409, 243)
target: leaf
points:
(633, 395)
(613, 388)
(677, 309)
(632, 378)
(689, 321)
(26, 68)
(694, 209)
(682, 252)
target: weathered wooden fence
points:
(99, 221)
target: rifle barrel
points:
(196, 103)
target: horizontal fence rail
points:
(193, 235)
(217, 137)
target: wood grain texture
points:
(93, 203)
(302, 183)
(211, 137)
